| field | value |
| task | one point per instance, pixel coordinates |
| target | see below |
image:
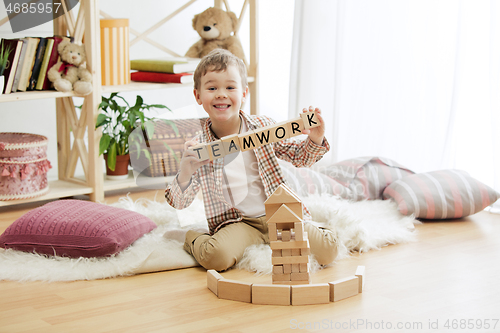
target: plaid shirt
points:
(209, 178)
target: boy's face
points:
(221, 94)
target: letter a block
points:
(231, 144)
(310, 119)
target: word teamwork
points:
(291, 280)
(252, 139)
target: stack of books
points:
(164, 70)
(29, 61)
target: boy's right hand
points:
(188, 165)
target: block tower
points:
(288, 240)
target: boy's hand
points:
(188, 165)
(316, 134)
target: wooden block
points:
(344, 288)
(299, 231)
(292, 282)
(296, 252)
(305, 252)
(296, 268)
(286, 236)
(201, 151)
(280, 131)
(310, 119)
(287, 268)
(303, 268)
(296, 208)
(289, 260)
(272, 230)
(300, 276)
(296, 126)
(248, 141)
(360, 273)
(281, 277)
(270, 294)
(215, 150)
(286, 252)
(285, 215)
(277, 245)
(235, 290)
(213, 278)
(310, 294)
(277, 253)
(283, 194)
(263, 135)
(278, 269)
(231, 144)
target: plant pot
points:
(121, 168)
(2, 83)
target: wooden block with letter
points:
(263, 135)
(215, 150)
(231, 144)
(248, 141)
(234, 290)
(201, 151)
(296, 126)
(271, 294)
(213, 278)
(279, 131)
(344, 288)
(360, 273)
(310, 294)
(310, 119)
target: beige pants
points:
(226, 247)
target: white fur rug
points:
(361, 226)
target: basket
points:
(23, 166)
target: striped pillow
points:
(440, 194)
(305, 181)
(366, 177)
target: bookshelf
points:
(73, 145)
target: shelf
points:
(30, 95)
(130, 182)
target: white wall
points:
(276, 21)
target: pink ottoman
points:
(23, 166)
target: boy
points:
(234, 188)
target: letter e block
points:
(215, 150)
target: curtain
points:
(417, 81)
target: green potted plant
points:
(4, 58)
(118, 120)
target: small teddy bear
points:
(215, 27)
(68, 73)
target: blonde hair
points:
(218, 61)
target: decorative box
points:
(23, 166)
(115, 59)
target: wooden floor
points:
(447, 281)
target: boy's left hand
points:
(316, 134)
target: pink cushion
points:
(440, 194)
(75, 228)
(365, 178)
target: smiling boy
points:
(234, 188)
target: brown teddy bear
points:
(215, 27)
(68, 73)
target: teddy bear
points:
(215, 27)
(68, 73)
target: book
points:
(165, 65)
(54, 57)
(161, 77)
(19, 64)
(9, 73)
(37, 63)
(45, 64)
(27, 65)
